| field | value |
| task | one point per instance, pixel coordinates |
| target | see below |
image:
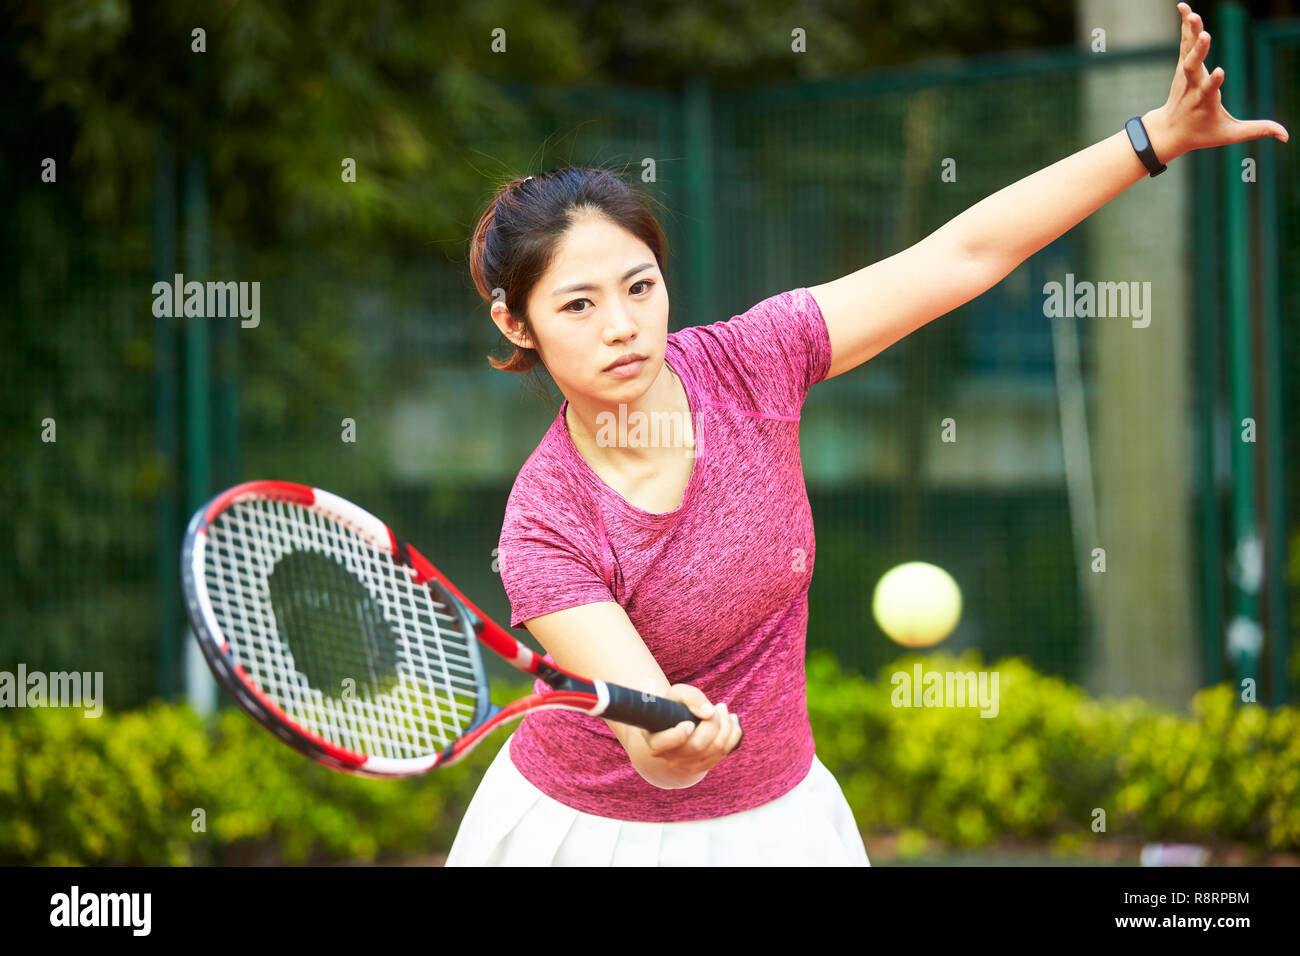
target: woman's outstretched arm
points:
(871, 309)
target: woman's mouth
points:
(628, 369)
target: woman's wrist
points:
(1163, 140)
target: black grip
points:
(649, 711)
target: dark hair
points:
(516, 238)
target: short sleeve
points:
(549, 560)
(770, 356)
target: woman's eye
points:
(645, 282)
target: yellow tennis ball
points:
(917, 604)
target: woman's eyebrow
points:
(584, 287)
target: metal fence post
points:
(1244, 635)
(1275, 550)
(200, 688)
(168, 546)
(701, 260)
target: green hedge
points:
(1052, 757)
(122, 789)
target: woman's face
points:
(601, 298)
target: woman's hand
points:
(1193, 117)
(693, 749)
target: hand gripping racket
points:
(350, 646)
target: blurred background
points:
(784, 149)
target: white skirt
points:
(511, 823)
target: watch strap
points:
(1137, 134)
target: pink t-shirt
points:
(717, 588)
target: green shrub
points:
(1052, 757)
(124, 789)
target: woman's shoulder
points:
(763, 359)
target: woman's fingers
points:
(710, 734)
(1194, 61)
(713, 737)
(693, 698)
(706, 733)
(723, 729)
(1246, 130)
(1191, 29)
(733, 735)
(664, 741)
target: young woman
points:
(660, 534)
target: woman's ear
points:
(510, 327)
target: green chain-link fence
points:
(763, 191)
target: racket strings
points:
(336, 633)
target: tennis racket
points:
(350, 646)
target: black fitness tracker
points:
(1137, 134)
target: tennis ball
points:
(916, 604)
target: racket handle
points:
(646, 710)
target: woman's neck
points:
(606, 436)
